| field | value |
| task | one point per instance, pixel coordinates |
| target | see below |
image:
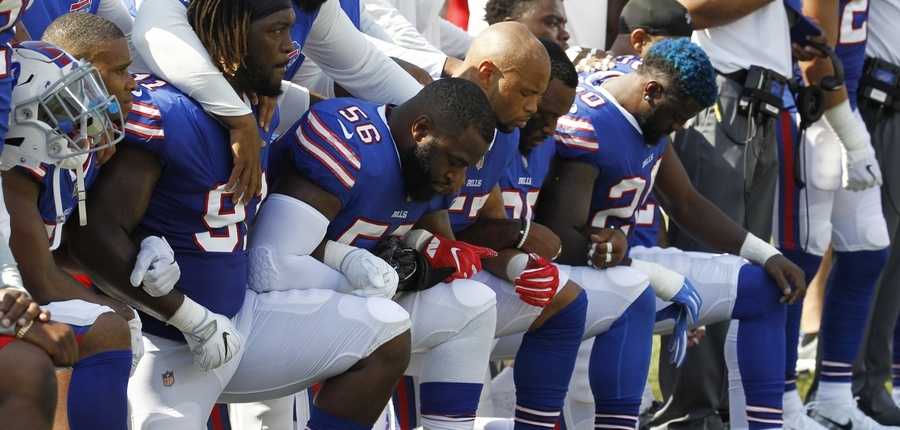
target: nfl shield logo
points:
(168, 378)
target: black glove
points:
(410, 264)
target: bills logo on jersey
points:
(294, 54)
(80, 6)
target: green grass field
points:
(803, 380)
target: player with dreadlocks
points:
(208, 336)
(320, 30)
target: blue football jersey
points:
(610, 67)
(351, 8)
(299, 32)
(45, 175)
(43, 12)
(344, 146)
(481, 179)
(11, 11)
(189, 206)
(521, 185)
(851, 44)
(598, 131)
(648, 219)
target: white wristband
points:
(851, 131)
(757, 250)
(188, 316)
(516, 265)
(335, 252)
(417, 238)
(12, 279)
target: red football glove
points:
(465, 258)
(537, 284)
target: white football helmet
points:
(60, 110)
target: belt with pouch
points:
(762, 90)
(880, 84)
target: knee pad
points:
(390, 320)
(609, 293)
(472, 295)
(76, 312)
(859, 223)
(442, 312)
(871, 235)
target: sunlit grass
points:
(804, 380)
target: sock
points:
(793, 406)
(321, 420)
(219, 418)
(449, 405)
(98, 392)
(404, 399)
(578, 410)
(847, 303)
(619, 364)
(895, 368)
(759, 347)
(544, 365)
(810, 265)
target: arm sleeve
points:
(347, 56)
(292, 104)
(431, 62)
(400, 30)
(167, 44)
(9, 272)
(454, 41)
(323, 157)
(115, 12)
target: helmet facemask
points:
(62, 125)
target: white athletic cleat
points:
(798, 420)
(843, 416)
(482, 423)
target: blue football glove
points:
(679, 344)
(689, 299)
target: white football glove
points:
(863, 170)
(137, 341)
(155, 268)
(212, 337)
(369, 275)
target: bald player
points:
(534, 296)
(513, 69)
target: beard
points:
(652, 133)
(258, 80)
(417, 172)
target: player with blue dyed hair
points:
(610, 148)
